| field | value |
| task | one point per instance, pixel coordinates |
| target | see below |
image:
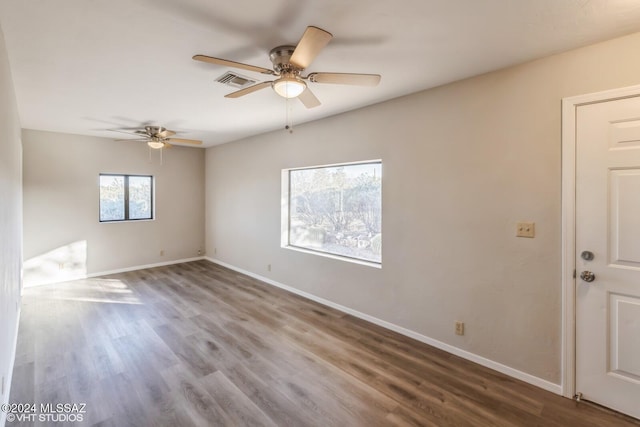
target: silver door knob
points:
(587, 276)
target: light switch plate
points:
(526, 229)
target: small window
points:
(336, 210)
(126, 197)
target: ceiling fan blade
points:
(345, 78)
(248, 90)
(312, 42)
(308, 99)
(184, 141)
(226, 62)
(124, 131)
(137, 139)
(166, 133)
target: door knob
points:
(587, 276)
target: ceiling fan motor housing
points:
(280, 57)
(154, 131)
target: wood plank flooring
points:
(196, 344)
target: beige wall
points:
(61, 206)
(462, 164)
(10, 222)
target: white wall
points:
(10, 223)
(462, 164)
(61, 199)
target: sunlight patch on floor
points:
(99, 290)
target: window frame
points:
(126, 198)
(285, 235)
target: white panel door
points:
(608, 227)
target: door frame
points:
(569, 143)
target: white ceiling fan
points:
(157, 137)
(289, 62)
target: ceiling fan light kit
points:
(155, 144)
(288, 64)
(289, 87)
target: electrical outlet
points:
(199, 252)
(459, 328)
(161, 252)
(268, 267)
(526, 229)
(215, 251)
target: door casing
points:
(569, 145)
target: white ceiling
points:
(85, 66)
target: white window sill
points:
(334, 256)
(120, 221)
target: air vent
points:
(235, 80)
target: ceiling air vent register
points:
(235, 80)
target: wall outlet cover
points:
(526, 229)
(459, 328)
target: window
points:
(335, 209)
(125, 197)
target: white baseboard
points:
(142, 267)
(523, 376)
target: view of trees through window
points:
(111, 198)
(125, 197)
(337, 209)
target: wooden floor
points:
(198, 345)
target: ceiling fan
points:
(157, 137)
(288, 64)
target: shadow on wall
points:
(68, 262)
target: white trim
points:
(333, 165)
(523, 376)
(142, 267)
(569, 106)
(12, 363)
(568, 247)
(334, 256)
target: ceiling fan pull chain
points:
(288, 119)
(286, 113)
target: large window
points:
(125, 197)
(336, 209)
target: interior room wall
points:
(10, 223)
(63, 237)
(462, 164)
